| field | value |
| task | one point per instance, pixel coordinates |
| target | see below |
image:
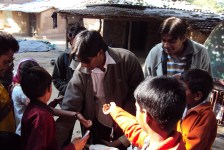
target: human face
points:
(171, 46)
(141, 117)
(97, 61)
(6, 61)
(190, 97)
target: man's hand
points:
(79, 143)
(107, 108)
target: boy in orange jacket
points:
(198, 125)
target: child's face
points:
(141, 117)
(192, 98)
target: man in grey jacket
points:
(103, 75)
(176, 52)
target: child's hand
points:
(86, 123)
(107, 108)
(79, 143)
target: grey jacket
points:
(120, 81)
(199, 58)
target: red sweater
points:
(38, 128)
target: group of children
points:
(32, 85)
(171, 112)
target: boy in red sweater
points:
(38, 130)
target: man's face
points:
(171, 46)
(5, 61)
(97, 61)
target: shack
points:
(135, 27)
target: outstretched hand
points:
(107, 108)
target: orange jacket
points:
(137, 135)
(198, 127)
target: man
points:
(176, 52)
(64, 66)
(8, 46)
(104, 74)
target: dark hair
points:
(88, 44)
(74, 30)
(25, 65)
(163, 98)
(35, 82)
(198, 80)
(7, 43)
(174, 27)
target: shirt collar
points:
(109, 60)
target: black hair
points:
(175, 27)
(26, 65)
(7, 43)
(88, 44)
(163, 98)
(198, 80)
(35, 82)
(73, 31)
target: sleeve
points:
(135, 77)
(59, 74)
(128, 123)
(146, 67)
(73, 101)
(203, 134)
(206, 63)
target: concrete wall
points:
(44, 24)
(14, 22)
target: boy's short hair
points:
(174, 27)
(163, 98)
(35, 82)
(7, 43)
(198, 80)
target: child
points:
(160, 103)
(20, 100)
(38, 130)
(198, 125)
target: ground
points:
(44, 59)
